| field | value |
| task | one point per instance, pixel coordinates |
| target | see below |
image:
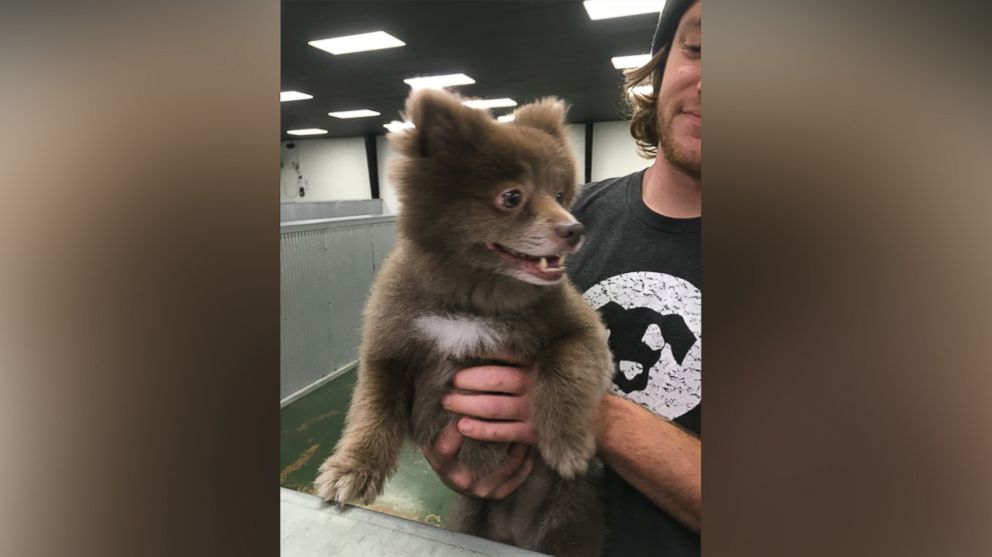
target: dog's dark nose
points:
(571, 233)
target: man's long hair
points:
(644, 108)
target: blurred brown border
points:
(846, 268)
(140, 278)
(846, 271)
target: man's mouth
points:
(544, 267)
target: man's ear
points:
(547, 114)
(443, 125)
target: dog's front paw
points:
(343, 481)
(569, 456)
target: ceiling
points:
(518, 49)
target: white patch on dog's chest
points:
(458, 337)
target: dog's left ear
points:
(547, 114)
(443, 124)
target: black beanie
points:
(668, 22)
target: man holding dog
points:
(640, 269)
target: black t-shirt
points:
(640, 270)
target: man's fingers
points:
(448, 442)
(518, 477)
(513, 432)
(491, 407)
(509, 380)
(486, 486)
(460, 479)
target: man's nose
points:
(571, 233)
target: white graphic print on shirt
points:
(655, 326)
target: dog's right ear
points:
(443, 125)
(547, 114)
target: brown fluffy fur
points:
(453, 166)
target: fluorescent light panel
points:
(643, 90)
(286, 96)
(439, 81)
(634, 61)
(605, 9)
(489, 103)
(376, 40)
(396, 126)
(363, 113)
(307, 131)
(506, 118)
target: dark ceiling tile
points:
(520, 49)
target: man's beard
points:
(677, 158)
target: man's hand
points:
(502, 481)
(483, 394)
(486, 393)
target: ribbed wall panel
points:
(327, 270)
(328, 209)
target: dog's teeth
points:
(544, 264)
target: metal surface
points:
(307, 528)
(327, 268)
(328, 209)
(286, 401)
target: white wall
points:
(384, 154)
(578, 137)
(337, 169)
(614, 152)
(334, 169)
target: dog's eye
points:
(510, 199)
(560, 198)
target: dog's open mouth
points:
(545, 267)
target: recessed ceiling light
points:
(357, 43)
(396, 126)
(634, 61)
(506, 118)
(605, 9)
(489, 103)
(286, 96)
(439, 81)
(363, 113)
(307, 131)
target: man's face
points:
(680, 116)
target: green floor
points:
(311, 426)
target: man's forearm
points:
(655, 456)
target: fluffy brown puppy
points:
(478, 270)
